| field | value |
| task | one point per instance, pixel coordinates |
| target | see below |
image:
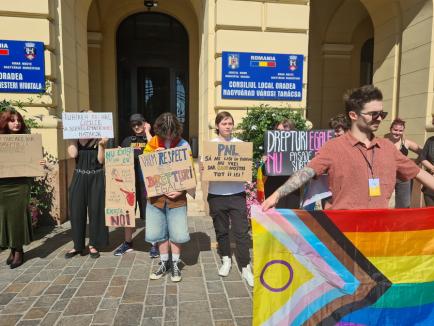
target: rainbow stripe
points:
(365, 267)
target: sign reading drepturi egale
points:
(22, 67)
(227, 161)
(120, 188)
(263, 76)
(167, 171)
(290, 151)
(86, 125)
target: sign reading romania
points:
(266, 76)
(355, 267)
(22, 67)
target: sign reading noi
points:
(120, 189)
(263, 76)
(22, 67)
(168, 170)
(290, 151)
(227, 161)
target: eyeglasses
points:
(376, 114)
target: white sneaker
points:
(226, 266)
(248, 275)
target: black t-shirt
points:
(138, 143)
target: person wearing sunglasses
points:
(362, 168)
(141, 134)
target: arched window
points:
(367, 62)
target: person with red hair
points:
(404, 145)
(15, 220)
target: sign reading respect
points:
(227, 161)
(87, 125)
(168, 170)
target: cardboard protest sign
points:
(120, 189)
(20, 156)
(86, 125)
(227, 161)
(168, 170)
(290, 151)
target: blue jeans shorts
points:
(166, 224)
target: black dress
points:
(87, 198)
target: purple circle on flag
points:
(272, 262)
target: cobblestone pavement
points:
(50, 290)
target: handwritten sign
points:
(168, 170)
(20, 156)
(87, 125)
(290, 151)
(120, 191)
(227, 161)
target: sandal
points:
(18, 259)
(73, 253)
(93, 253)
(11, 257)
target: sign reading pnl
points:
(263, 76)
(22, 67)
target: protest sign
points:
(120, 191)
(20, 156)
(290, 151)
(227, 161)
(86, 125)
(168, 170)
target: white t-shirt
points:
(226, 187)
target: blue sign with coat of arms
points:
(22, 67)
(262, 76)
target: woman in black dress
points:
(15, 221)
(87, 196)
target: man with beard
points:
(362, 168)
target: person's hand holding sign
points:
(173, 194)
(103, 142)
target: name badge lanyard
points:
(373, 183)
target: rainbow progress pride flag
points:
(345, 268)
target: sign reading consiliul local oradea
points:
(22, 67)
(262, 76)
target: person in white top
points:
(227, 203)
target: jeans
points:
(166, 224)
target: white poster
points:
(87, 125)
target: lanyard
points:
(370, 164)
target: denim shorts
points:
(166, 224)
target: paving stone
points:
(224, 323)
(18, 305)
(194, 313)
(33, 322)
(82, 306)
(234, 274)
(50, 319)
(7, 320)
(47, 275)
(128, 314)
(127, 260)
(153, 311)
(221, 313)
(218, 301)
(151, 321)
(72, 270)
(55, 289)
(236, 289)
(171, 300)
(76, 282)
(118, 281)
(46, 301)
(57, 264)
(110, 303)
(63, 279)
(156, 289)
(34, 289)
(25, 278)
(6, 297)
(60, 305)
(75, 321)
(134, 292)
(36, 313)
(104, 262)
(171, 289)
(91, 289)
(68, 293)
(14, 287)
(122, 271)
(215, 287)
(241, 307)
(170, 323)
(104, 317)
(170, 314)
(100, 274)
(211, 275)
(114, 292)
(154, 300)
(140, 272)
(244, 321)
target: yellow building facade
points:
(102, 55)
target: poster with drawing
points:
(120, 193)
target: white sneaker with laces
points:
(248, 275)
(225, 268)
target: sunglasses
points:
(376, 114)
(136, 124)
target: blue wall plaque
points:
(22, 67)
(262, 76)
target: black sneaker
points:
(176, 273)
(163, 268)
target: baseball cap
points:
(137, 117)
